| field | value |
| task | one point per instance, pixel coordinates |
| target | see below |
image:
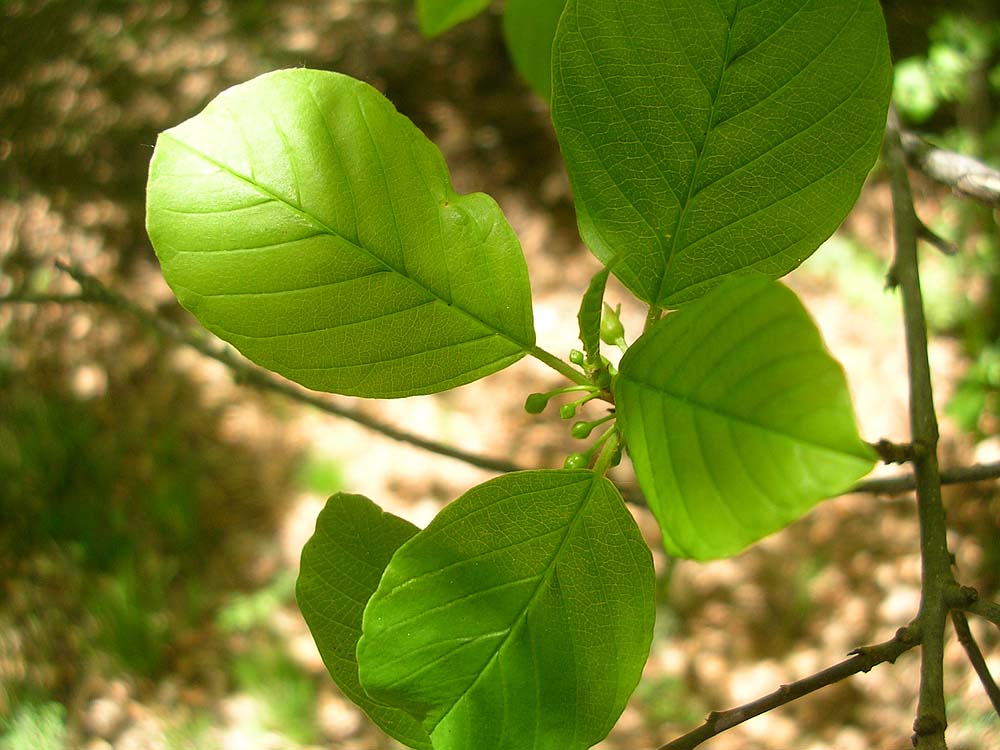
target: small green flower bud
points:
(612, 330)
(581, 430)
(575, 461)
(576, 357)
(536, 403)
(568, 411)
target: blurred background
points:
(152, 510)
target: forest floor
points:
(154, 510)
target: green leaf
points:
(521, 617)
(714, 138)
(736, 418)
(529, 26)
(341, 566)
(589, 316)
(437, 16)
(304, 220)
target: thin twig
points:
(863, 660)
(907, 482)
(254, 376)
(27, 298)
(965, 175)
(932, 238)
(243, 371)
(987, 610)
(975, 655)
(937, 582)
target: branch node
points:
(966, 595)
(898, 453)
(925, 725)
(932, 238)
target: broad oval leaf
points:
(437, 16)
(529, 26)
(520, 617)
(342, 564)
(713, 138)
(304, 220)
(736, 418)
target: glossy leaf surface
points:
(714, 138)
(341, 566)
(529, 26)
(437, 16)
(521, 617)
(304, 220)
(736, 418)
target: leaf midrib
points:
(519, 618)
(711, 409)
(324, 228)
(688, 199)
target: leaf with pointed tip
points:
(304, 220)
(715, 138)
(520, 617)
(342, 564)
(437, 16)
(589, 316)
(737, 419)
(529, 26)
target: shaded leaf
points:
(304, 220)
(736, 418)
(437, 16)
(341, 566)
(713, 138)
(589, 316)
(529, 26)
(520, 617)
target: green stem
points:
(611, 440)
(563, 368)
(652, 317)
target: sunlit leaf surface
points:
(737, 419)
(304, 220)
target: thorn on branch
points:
(891, 279)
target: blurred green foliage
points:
(284, 693)
(961, 49)
(952, 90)
(34, 726)
(319, 474)
(134, 507)
(193, 732)
(241, 613)
(668, 700)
